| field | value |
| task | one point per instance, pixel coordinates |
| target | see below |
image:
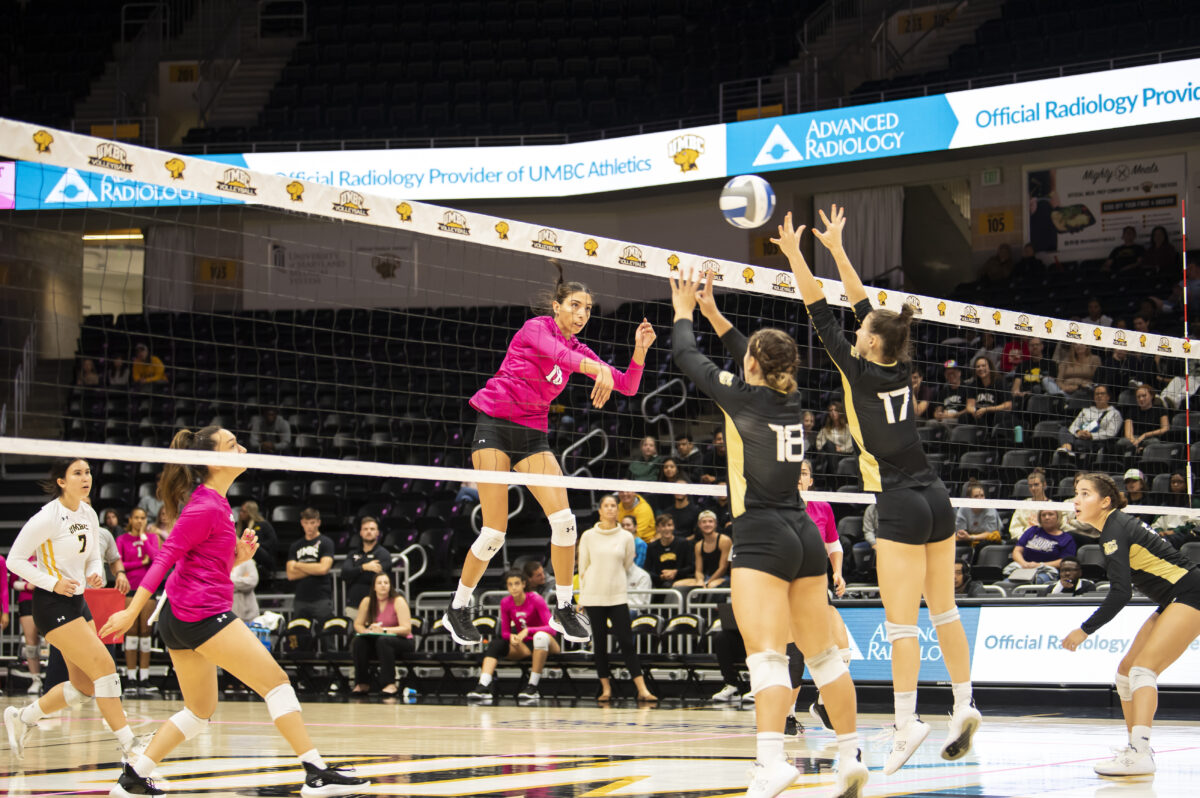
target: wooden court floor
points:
(548, 751)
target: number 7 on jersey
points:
(887, 396)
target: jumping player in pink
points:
(511, 434)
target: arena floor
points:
(551, 751)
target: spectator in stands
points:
(990, 347)
(964, 585)
(922, 395)
(87, 376)
(1015, 352)
(605, 553)
(638, 581)
(162, 525)
(361, 566)
(715, 460)
(685, 513)
(1135, 490)
(1077, 370)
(835, 437)
(467, 492)
(1095, 426)
(710, 555)
(1177, 529)
(270, 433)
(999, 267)
(720, 507)
(689, 458)
(646, 465)
(245, 582)
(977, 525)
(1120, 369)
(629, 524)
(1043, 545)
(1126, 255)
(1096, 315)
(384, 626)
(147, 369)
(1023, 519)
(536, 580)
(864, 550)
(264, 557)
(117, 375)
(1035, 373)
(951, 403)
(1161, 257)
(808, 422)
(822, 515)
(1070, 579)
(1173, 393)
(667, 558)
(111, 521)
(1029, 264)
(308, 564)
(138, 548)
(1144, 421)
(990, 397)
(150, 502)
(633, 504)
(670, 472)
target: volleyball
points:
(747, 201)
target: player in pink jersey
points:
(511, 435)
(137, 547)
(198, 626)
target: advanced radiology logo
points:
(175, 168)
(71, 188)
(713, 268)
(685, 150)
(783, 284)
(546, 240)
(237, 181)
(42, 140)
(632, 256)
(110, 156)
(352, 203)
(778, 148)
(454, 222)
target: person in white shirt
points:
(1094, 425)
(64, 535)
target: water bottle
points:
(1018, 434)
(410, 695)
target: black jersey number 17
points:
(903, 394)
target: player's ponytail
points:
(895, 331)
(1106, 487)
(543, 302)
(777, 356)
(178, 481)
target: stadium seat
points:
(1191, 550)
(990, 561)
(1091, 560)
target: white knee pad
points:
(827, 667)
(899, 631)
(1140, 677)
(1124, 691)
(562, 528)
(108, 686)
(189, 724)
(132, 642)
(768, 669)
(30, 653)
(73, 696)
(488, 543)
(144, 644)
(846, 654)
(282, 700)
(943, 618)
(541, 641)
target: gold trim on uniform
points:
(868, 466)
(737, 466)
(1141, 559)
(49, 560)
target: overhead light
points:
(115, 235)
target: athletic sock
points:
(32, 713)
(906, 707)
(564, 593)
(143, 674)
(770, 747)
(125, 737)
(313, 758)
(485, 679)
(462, 596)
(143, 765)
(820, 699)
(1139, 738)
(962, 693)
(847, 746)
(534, 678)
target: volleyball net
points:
(340, 334)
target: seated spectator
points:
(1177, 492)
(264, 557)
(645, 466)
(720, 507)
(1070, 579)
(1042, 545)
(1136, 492)
(162, 525)
(977, 525)
(685, 513)
(715, 460)
(688, 457)
(964, 585)
(1144, 421)
(808, 422)
(536, 580)
(1126, 255)
(150, 502)
(1023, 519)
(308, 564)
(730, 650)
(1173, 393)
(1034, 374)
(633, 504)
(629, 524)
(710, 555)
(1161, 257)
(245, 582)
(669, 472)
(117, 375)
(86, 376)
(1029, 264)
(864, 550)
(1177, 529)
(638, 581)
(111, 521)
(467, 492)
(1120, 369)
(384, 627)
(990, 400)
(990, 347)
(362, 565)
(835, 436)
(147, 369)
(270, 433)
(922, 395)
(1077, 371)
(999, 267)
(668, 557)
(1095, 427)
(1015, 352)
(822, 515)
(1095, 315)
(951, 403)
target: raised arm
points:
(723, 387)
(789, 244)
(831, 238)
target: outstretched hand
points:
(644, 336)
(706, 299)
(685, 293)
(789, 239)
(835, 222)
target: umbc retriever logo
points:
(404, 211)
(882, 297)
(1049, 326)
(685, 150)
(1142, 341)
(783, 284)
(1073, 332)
(632, 256)
(502, 229)
(237, 181)
(1187, 347)
(996, 317)
(915, 304)
(175, 168)
(591, 247)
(941, 308)
(1119, 338)
(110, 156)
(1164, 344)
(454, 222)
(673, 262)
(1023, 324)
(713, 268)
(351, 202)
(43, 140)
(295, 190)
(970, 315)
(1097, 333)
(547, 239)
(748, 275)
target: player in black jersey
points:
(778, 561)
(916, 522)
(1134, 556)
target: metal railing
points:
(142, 53)
(23, 377)
(665, 414)
(147, 128)
(405, 575)
(282, 18)
(221, 58)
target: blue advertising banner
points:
(45, 187)
(872, 653)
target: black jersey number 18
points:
(789, 442)
(903, 394)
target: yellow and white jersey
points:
(66, 544)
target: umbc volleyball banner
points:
(73, 152)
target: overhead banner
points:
(8, 185)
(1080, 212)
(43, 186)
